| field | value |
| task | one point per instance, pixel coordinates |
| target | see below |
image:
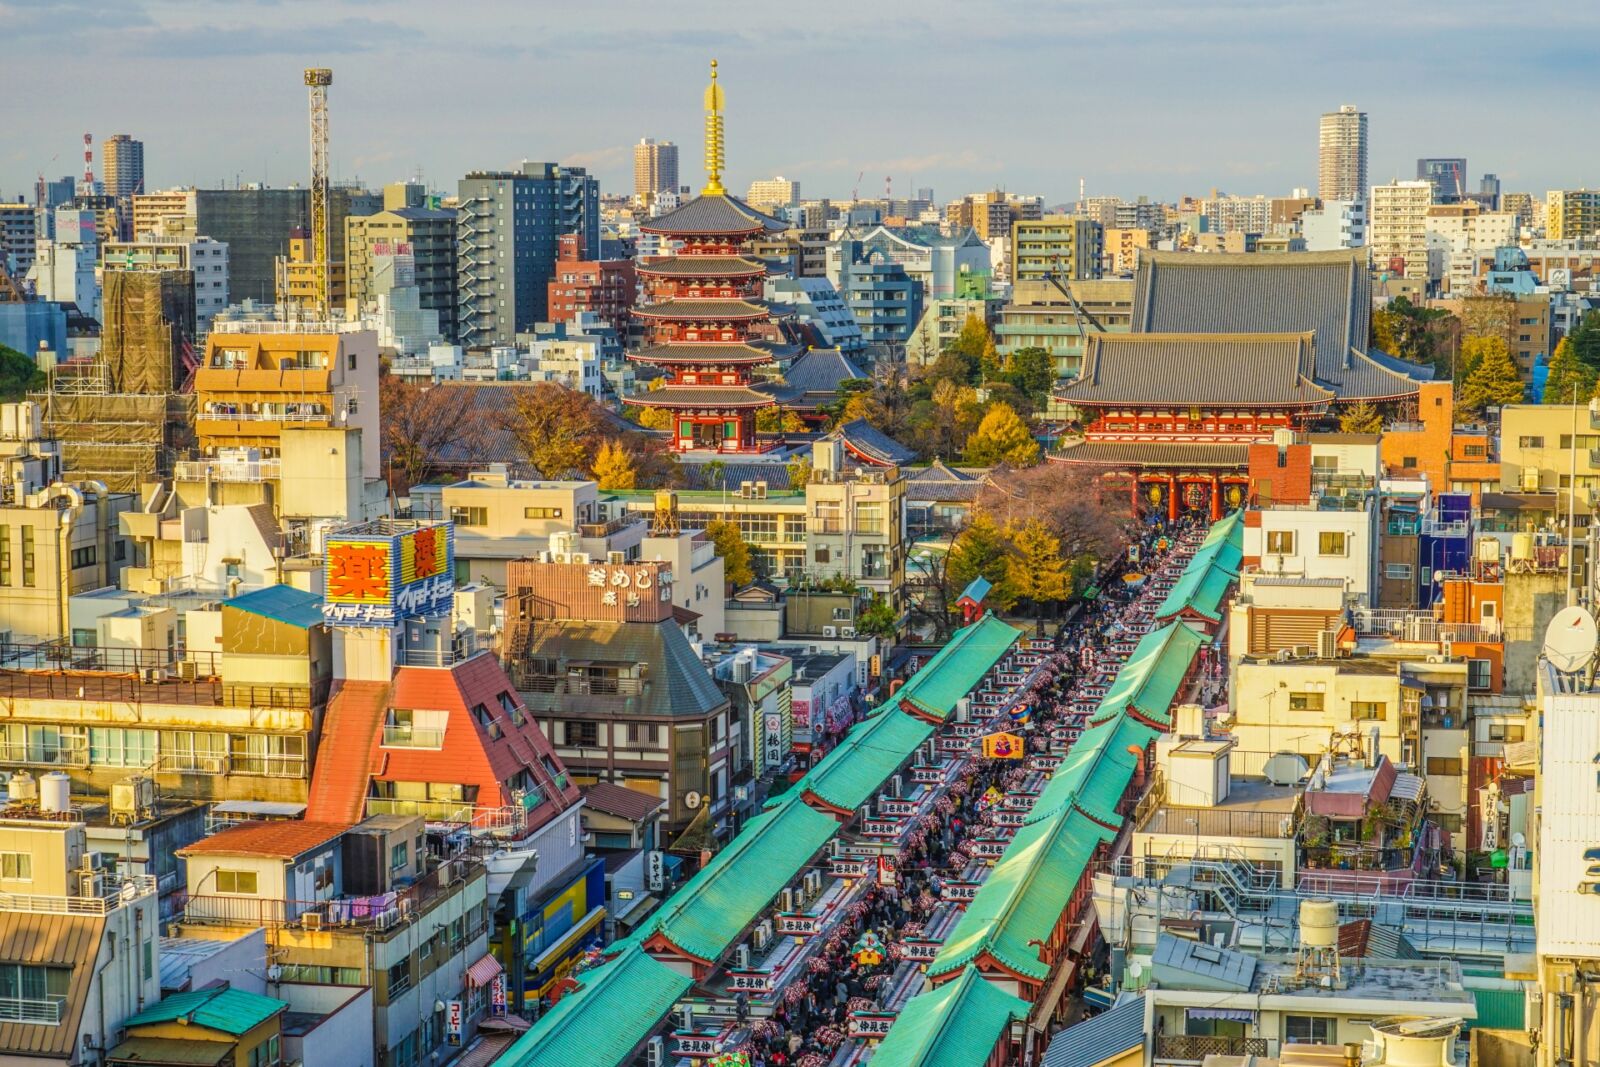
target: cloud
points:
(599, 158)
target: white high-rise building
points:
(1336, 224)
(1399, 233)
(1342, 155)
(63, 269)
(773, 192)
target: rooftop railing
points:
(62, 671)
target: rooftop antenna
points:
(1569, 640)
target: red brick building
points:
(606, 287)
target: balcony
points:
(412, 737)
(213, 470)
(1194, 1048)
(373, 913)
(45, 1010)
(114, 893)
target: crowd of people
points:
(854, 969)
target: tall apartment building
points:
(63, 268)
(1448, 177)
(655, 169)
(1520, 205)
(991, 214)
(773, 192)
(1342, 155)
(1489, 191)
(607, 288)
(1066, 246)
(19, 229)
(508, 234)
(124, 165)
(1570, 213)
(427, 234)
(1399, 231)
(1237, 214)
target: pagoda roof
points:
(1181, 369)
(702, 396)
(1126, 454)
(712, 352)
(697, 308)
(1328, 293)
(703, 267)
(711, 214)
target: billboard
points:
(379, 573)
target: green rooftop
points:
(232, 1011)
(956, 1024)
(870, 752)
(1149, 681)
(602, 1023)
(959, 665)
(1095, 772)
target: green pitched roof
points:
(959, 665)
(601, 1024)
(867, 756)
(1202, 584)
(1094, 773)
(1024, 895)
(1152, 676)
(232, 1011)
(954, 1025)
(709, 911)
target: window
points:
(1307, 1030)
(16, 866)
(399, 856)
(275, 755)
(351, 361)
(1280, 542)
(1325, 464)
(1397, 571)
(583, 733)
(1369, 710)
(1480, 674)
(643, 733)
(1499, 731)
(266, 1053)
(44, 985)
(1332, 543)
(5, 554)
(27, 556)
(1409, 462)
(1449, 766)
(541, 513)
(1530, 442)
(1305, 701)
(400, 977)
(1474, 451)
(241, 882)
(122, 748)
(469, 516)
(411, 728)
(184, 750)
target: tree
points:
(972, 340)
(654, 418)
(613, 467)
(878, 619)
(1033, 371)
(734, 550)
(1037, 571)
(1361, 417)
(1066, 498)
(942, 426)
(1490, 315)
(1493, 380)
(1569, 378)
(799, 471)
(989, 362)
(861, 406)
(559, 429)
(423, 426)
(19, 376)
(1002, 437)
(775, 419)
(980, 550)
(1410, 331)
(715, 473)
(1585, 338)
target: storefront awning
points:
(483, 972)
(1240, 1015)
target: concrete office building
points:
(1342, 155)
(1336, 224)
(124, 165)
(207, 259)
(19, 229)
(655, 169)
(1447, 176)
(508, 235)
(428, 235)
(63, 267)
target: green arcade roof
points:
(232, 1011)
(1095, 772)
(957, 1024)
(871, 752)
(705, 916)
(1023, 897)
(959, 665)
(603, 1022)
(1152, 676)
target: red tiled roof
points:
(285, 839)
(621, 801)
(347, 754)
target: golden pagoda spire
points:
(714, 157)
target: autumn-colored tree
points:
(949, 418)
(1066, 498)
(799, 471)
(1002, 437)
(775, 419)
(654, 418)
(560, 429)
(989, 363)
(614, 468)
(1361, 417)
(972, 340)
(1493, 380)
(862, 406)
(734, 550)
(1036, 568)
(422, 426)
(980, 550)
(1569, 379)
(1490, 315)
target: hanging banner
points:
(886, 870)
(959, 892)
(1003, 746)
(750, 981)
(927, 774)
(870, 1024)
(896, 806)
(919, 949)
(795, 924)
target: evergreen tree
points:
(1569, 378)
(1493, 380)
(1033, 371)
(1002, 437)
(1035, 567)
(980, 550)
(1585, 338)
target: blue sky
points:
(1161, 97)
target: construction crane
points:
(317, 80)
(1085, 318)
(855, 194)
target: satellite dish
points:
(1569, 640)
(1135, 970)
(1285, 768)
(1518, 840)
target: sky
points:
(1154, 97)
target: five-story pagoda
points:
(704, 310)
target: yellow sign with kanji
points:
(1003, 746)
(380, 572)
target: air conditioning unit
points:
(1284, 655)
(786, 899)
(616, 557)
(741, 957)
(655, 1053)
(1436, 659)
(830, 631)
(1327, 644)
(1448, 648)
(188, 670)
(311, 920)
(578, 557)
(761, 937)
(847, 631)
(91, 884)
(897, 785)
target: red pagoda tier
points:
(704, 317)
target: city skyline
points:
(402, 76)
